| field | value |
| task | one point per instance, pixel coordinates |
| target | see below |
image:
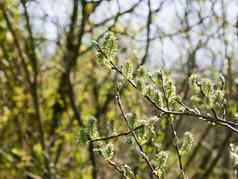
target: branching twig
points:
(117, 135)
(174, 132)
(206, 117)
(133, 132)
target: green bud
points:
(128, 70)
(161, 163)
(187, 143)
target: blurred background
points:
(51, 85)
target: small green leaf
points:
(170, 88)
(128, 70)
(187, 143)
(158, 99)
(107, 49)
(83, 136)
(207, 87)
(131, 120)
(106, 151)
(92, 127)
(141, 73)
(194, 79)
(161, 164)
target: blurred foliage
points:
(104, 104)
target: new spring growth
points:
(106, 49)
(187, 143)
(234, 154)
(161, 163)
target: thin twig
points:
(219, 121)
(173, 131)
(133, 132)
(117, 135)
